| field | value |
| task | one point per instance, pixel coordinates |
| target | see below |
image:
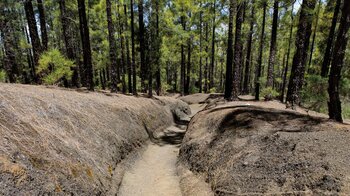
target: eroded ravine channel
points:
(154, 173)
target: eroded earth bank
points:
(74, 142)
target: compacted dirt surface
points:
(262, 148)
(153, 174)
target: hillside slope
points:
(64, 141)
(254, 148)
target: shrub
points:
(314, 93)
(2, 76)
(269, 93)
(53, 66)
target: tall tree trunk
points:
(122, 48)
(211, 72)
(33, 32)
(158, 72)
(7, 36)
(334, 104)
(237, 61)
(112, 48)
(142, 46)
(300, 57)
(272, 59)
(188, 66)
(328, 53)
(258, 70)
(183, 71)
(43, 29)
(249, 50)
(85, 39)
(288, 54)
(200, 49)
(206, 69)
(127, 50)
(314, 35)
(68, 41)
(229, 55)
(29, 55)
(133, 63)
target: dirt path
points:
(153, 174)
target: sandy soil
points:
(154, 174)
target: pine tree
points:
(229, 55)
(249, 50)
(68, 40)
(334, 104)
(142, 47)
(262, 39)
(133, 63)
(287, 57)
(237, 56)
(330, 38)
(85, 39)
(43, 28)
(300, 57)
(272, 58)
(33, 32)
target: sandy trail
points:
(154, 174)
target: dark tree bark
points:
(206, 68)
(68, 41)
(211, 72)
(249, 50)
(300, 57)
(272, 58)
(133, 63)
(328, 53)
(127, 50)
(122, 48)
(258, 70)
(183, 71)
(188, 67)
(7, 36)
(334, 104)
(237, 61)
(112, 48)
(229, 55)
(288, 54)
(200, 50)
(33, 32)
(29, 55)
(143, 68)
(43, 28)
(158, 73)
(314, 35)
(85, 39)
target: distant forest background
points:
(258, 47)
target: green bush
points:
(269, 93)
(314, 93)
(2, 76)
(53, 66)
